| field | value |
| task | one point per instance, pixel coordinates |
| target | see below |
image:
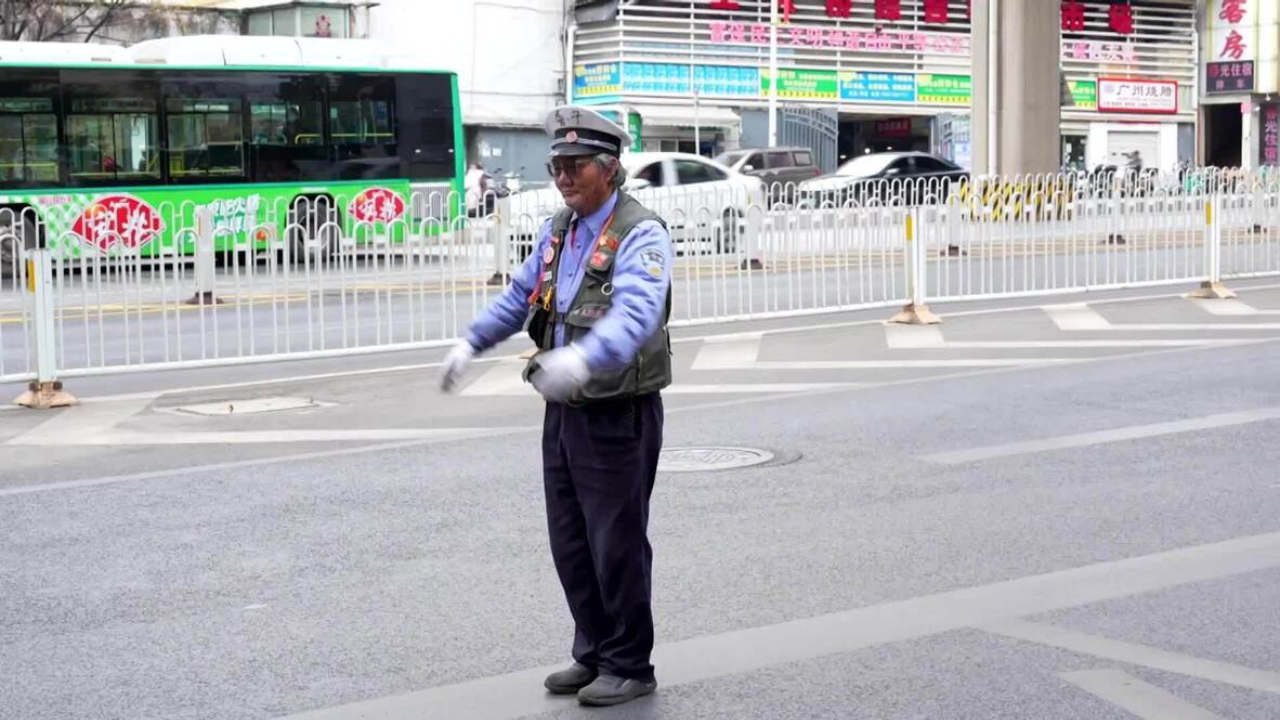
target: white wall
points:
(508, 53)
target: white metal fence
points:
(307, 282)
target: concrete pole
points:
(1016, 113)
(773, 73)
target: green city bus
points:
(111, 151)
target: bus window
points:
(28, 141)
(281, 123)
(205, 138)
(362, 127)
(113, 139)
(362, 110)
(426, 126)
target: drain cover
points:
(703, 459)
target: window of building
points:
(259, 24)
(323, 22)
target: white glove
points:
(455, 364)
(561, 373)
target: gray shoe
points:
(613, 690)
(570, 680)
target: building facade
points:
(1240, 73)
(897, 73)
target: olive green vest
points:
(650, 370)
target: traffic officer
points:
(594, 296)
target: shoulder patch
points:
(653, 262)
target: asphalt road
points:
(1027, 512)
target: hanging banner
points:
(877, 87)
(803, 84)
(944, 89)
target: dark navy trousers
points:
(598, 464)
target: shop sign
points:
(877, 87)
(727, 80)
(1232, 30)
(1084, 94)
(597, 80)
(944, 89)
(928, 43)
(1137, 96)
(1271, 135)
(894, 127)
(656, 78)
(803, 84)
(1098, 51)
(1228, 77)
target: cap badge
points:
(571, 136)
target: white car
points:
(704, 203)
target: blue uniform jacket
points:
(641, 279)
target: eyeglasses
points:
(569, 166)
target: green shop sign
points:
(803, 84)
(944, 89)
(1084, 94)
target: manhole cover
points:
(702, 459)
(254, 406)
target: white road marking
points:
(257, 437)
(728, 353)
(1230, 307)
(503, 378)
(70, 426)
(906, 364)
(913, 337)
(1133, 654)
(1135, 696)
(1083, 344)
(1076, 316)
(1133, 432)
(514, 695)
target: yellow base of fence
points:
(1212, 291)
(43, 396)
(913, 314)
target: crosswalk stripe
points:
(1135, 696)
(736, 351)
(913, 337)
(1229, 307)
(1077, 316)
(1134, 654)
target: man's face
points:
(582, 182)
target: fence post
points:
(46, 391)
(497, 231)
(915, 312)
(1212, 288)
(205, 260)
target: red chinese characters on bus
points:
(1072, 15)
(118, 220)
(376, 204)
(1120, 17)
